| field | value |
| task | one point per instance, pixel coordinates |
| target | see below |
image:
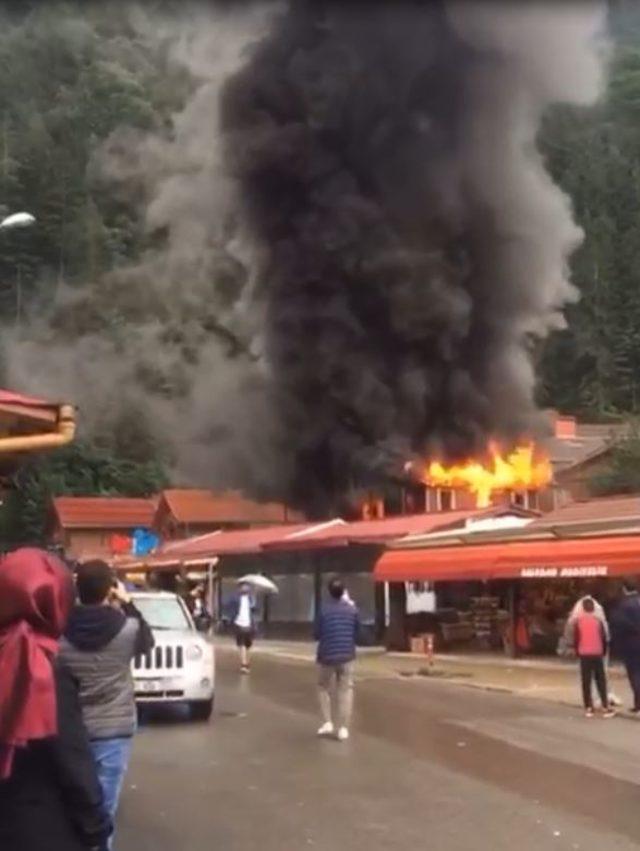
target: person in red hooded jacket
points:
(50, 798)
(591, 640)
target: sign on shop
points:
(542, 572)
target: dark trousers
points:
(592, 668)
(632, 664)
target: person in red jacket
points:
(590, 637)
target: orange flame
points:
(517, 470)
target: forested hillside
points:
(72, 73)
(593, 368)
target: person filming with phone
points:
(104, 633)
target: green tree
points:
(82, 469)
(593, 367)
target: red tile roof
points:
(21, 413)
(7, 397)
(381, 531)
(605, 510)
(192, 506)
(235, 541)
(332, 533)
(590, 442)
(74, 512)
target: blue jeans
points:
(112, 760)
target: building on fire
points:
(438, 588)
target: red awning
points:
(583, 557)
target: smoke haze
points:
(360, 241)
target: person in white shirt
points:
(243, 619)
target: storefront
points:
(510, 595)
(300, 558)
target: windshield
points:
(163, 613)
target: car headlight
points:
(194, 653)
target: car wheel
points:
(201, 710)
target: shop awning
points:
(584, 557)
(338, 533)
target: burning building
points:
(516, 471)
(356, 246)
(408, 245)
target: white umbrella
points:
(17, 220)
(258, 581)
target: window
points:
(525, 499)
(446, 499)
(163, 612)
(518, 498)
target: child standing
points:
(590, 637)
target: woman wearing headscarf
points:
(50, 798)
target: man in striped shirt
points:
(336, 633)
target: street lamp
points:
(17, 220)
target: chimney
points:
(566, 428)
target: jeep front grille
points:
(162, 658)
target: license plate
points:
(150, 686)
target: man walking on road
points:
(336, 633)
(103, 635)
(242, 616)
(626, 637)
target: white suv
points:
(181, 666)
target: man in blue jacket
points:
(625, 625)
(336, 633)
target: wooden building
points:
(97, 527)
(184, 512)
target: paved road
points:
(431, 765)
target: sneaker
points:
(343, 734)
(588, 713)
(244, 669)
(326, 729)
(609, 713)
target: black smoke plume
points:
(411, 246)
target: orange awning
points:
(582, 557)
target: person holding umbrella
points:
(242, 614)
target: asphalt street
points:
(431, 764)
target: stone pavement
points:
(547, 679)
